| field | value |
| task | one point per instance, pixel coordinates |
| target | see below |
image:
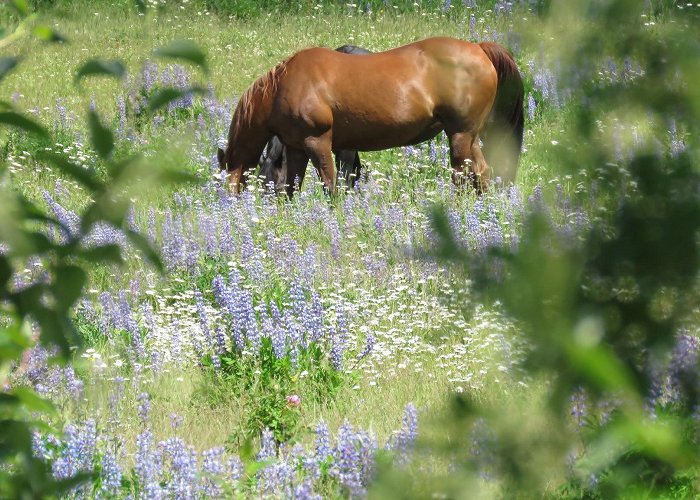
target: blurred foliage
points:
(43, 308)
(602, 311)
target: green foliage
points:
(264, 382)
(600, 311)
(49, 303)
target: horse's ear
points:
(220, 155)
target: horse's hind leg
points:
(345, 164)
(465, 152)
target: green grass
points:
(238, 51)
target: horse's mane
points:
(260, 89)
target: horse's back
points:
(389, 98)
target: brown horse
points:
(319, 100)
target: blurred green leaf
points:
(69, 281)
(32, 401)
(185, 50)
(103, 253)
(140, 6)
(7, 64)
(142, 244)
(48, 34)
(446, 247)
(13, 342)
(66, 485)
(92, 67)
(14, 437)
(56, 328)
(178, 177)
(101, 137)
(167, 95)
(22, 122)
(107, 208)
(85, 177)
(5, 271)
(20, 6)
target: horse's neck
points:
(248, 139)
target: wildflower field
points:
(403, 339)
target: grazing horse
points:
(321, 100)
(273, 163)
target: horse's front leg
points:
(319, 150)
(296, 162)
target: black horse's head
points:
(352, 49)
(273, 164)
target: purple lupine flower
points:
(297, 298)
(313, 319)
(531, 107)
(294, 336)
(333, 230)
(684, 376)
(62, 113)
(369, 347)
(77, 456)
(379, 225)
(74, 386)
(203, 321)
(402, 441)
(176, 420)
(234, 468)
(346, 460)
(213, 469)
(144, 406)
(181, 460)
(578, 402)
(128, 323)
(121, 111)
(271, 328)
(337, 348)
(323, 442)
(39, 449)
(268, 448)
(149, 75)
(226, 300)
(110, 475)
(70, 222)
(220, 338)
(148, 465)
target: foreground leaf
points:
(22, 122)
(165, 96)
(101, 67)
(7, 64)
(101, 137)
(185, 50)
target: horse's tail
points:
(508, 115)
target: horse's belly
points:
(364, 136)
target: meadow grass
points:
(433, 337)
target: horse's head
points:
(273, 164)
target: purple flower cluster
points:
(174, 469)
(402, 441)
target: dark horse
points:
(321, 100)
(273, 163)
